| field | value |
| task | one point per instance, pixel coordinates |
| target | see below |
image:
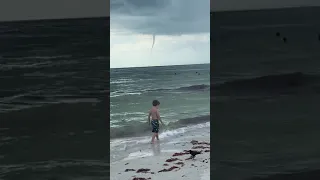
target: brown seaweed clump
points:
(180, 163)
(194, 142)
(170, 169)
(127, 170)
(172, 159)
(205, 143)
(199, 147)
(180, 154)
(140, 178)
(143, 170)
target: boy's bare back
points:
(154, 113)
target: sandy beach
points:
(167, 160)
(184, 109)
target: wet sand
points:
(166, 162)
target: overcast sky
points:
(219, 5)
(48, 9)
(52, 9)
(181, 29)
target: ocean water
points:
(184, 95)
(53, 79)
(266, 94)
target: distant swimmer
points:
(278, 34)
(155, 115)
(284, 39)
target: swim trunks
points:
(155, 125)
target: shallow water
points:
(52, 99)
(140, 146)
(183, 92)
(265, 94)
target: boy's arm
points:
(159, 118)
(149, 117)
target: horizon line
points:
(158, 66)
(55, 19)
(108, 15)
(261, 9)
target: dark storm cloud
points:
(138, 7)
(161, 17)
(219, 5)
(52, 9)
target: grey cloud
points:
(219, 5)
(161, 17)
(52, 9)
(136, 7)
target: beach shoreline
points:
(170, 162)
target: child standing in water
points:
(155, 115)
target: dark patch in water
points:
(195, 87)
(199, 87)
(269, 83)
(305, 175)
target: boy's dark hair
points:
(155, 102)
